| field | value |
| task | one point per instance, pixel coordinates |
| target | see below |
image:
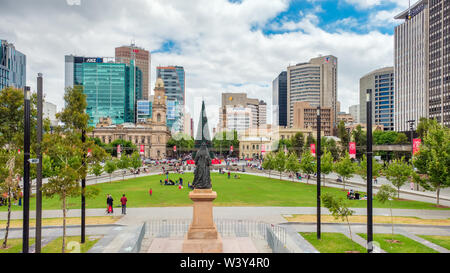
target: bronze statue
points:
(202, 178)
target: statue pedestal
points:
(202, 236)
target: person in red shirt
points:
(124, 200)
(150, 192)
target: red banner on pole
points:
(416, 145)
(352, 149)
(174, 148)
(231, 148)
(142, 149)
(263, 148)
(313, 149)
(118, 150)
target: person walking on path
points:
(109, 201)
(150, 191)
(124, 200)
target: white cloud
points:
(217, 46)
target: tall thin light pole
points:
(318, 154)
(37, 248)
(83, 197)
(26, 171)
(369, 172)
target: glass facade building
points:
(279, 100)
(381, 81)
(144, 110)
(174, 85)
(112, 89)
(12, 66)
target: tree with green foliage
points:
(433, 159)
(292, 164)
(127, 147)
(330, 145)
(123, 164)
(280, 162)
(362, 169)
(345, 168)
(96, 169)
(67, 153)
(308, 164)
(360, 138)
(10, 167)
(222, 141)
(309, 140)
(298, 143)
(269, 163)
(386, 195)
(338, 208)
(182, 141)
(110, 167)
(12, 140)
(135, 162)
(398, 173)
(344, 136)
(424, 126)
(326, 164)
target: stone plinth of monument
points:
(203, 236)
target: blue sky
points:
(333, 15)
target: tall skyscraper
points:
(314, 82)
(13, 63)
(240, 113)
(279, 100)
(439, 61)
(411, 65)
(381, 81)
(174, 82)
(142, 60)
(354, 110)
(112, 89)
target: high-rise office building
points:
(238, 106)
(439, 61)
(142, 59)
(354, 110)
(279, 100)
(305, 117)
(174, 82)
(12, 66)
(411, 65)
(112, 89)
(381, 82)
(314, 82)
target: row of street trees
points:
(430, 167)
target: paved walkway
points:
(267, 214)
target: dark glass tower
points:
(279, 100)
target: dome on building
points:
(159, 83)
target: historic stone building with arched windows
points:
(152, 133)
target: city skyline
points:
(219, 56)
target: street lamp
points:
(411, 129)
(38, 230)
(26, 171)
(369, 171)
(318, 155)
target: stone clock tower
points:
(160, 134)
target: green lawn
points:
(14, 245)
(55, 246)
(248, 191)
(405, 244)
(332, 243)
(443, 241)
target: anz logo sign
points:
(93, 60)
